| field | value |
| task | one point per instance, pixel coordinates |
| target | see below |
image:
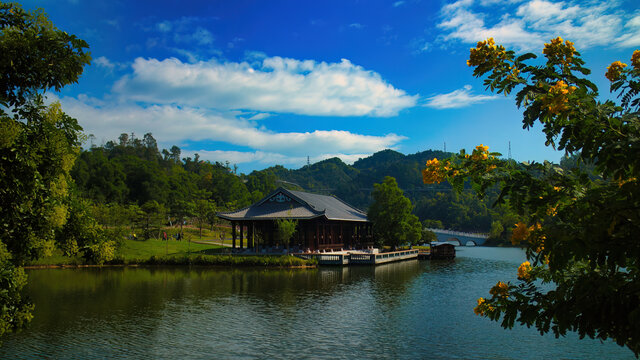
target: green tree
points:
(203, 210)
(432, 224)
(428, 236)
(496, 230)
(82, 234)
(181, 210)
(153, 218)
(580, 230)
(390, 212)
(285, 228)
(38, 146)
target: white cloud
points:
(398, 3)
(104, 62)
(356, 26)
(457, 99)
(174, 124)
(164, 26)
(500, 2)
(526, 25)
(200, 36)
(227, 102)
(276, 85)
(268, 158)
(632, 36)
(259, 116)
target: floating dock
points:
(360, 258)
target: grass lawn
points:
(135, 250)
(144, 249)
(173, 252)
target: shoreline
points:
(68, 266)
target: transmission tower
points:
(509, 150)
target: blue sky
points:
(260, 83)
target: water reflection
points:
(401, 310)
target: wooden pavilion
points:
(324, 222)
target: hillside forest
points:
(130, 179)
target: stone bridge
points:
(459, 238)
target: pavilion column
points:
(332, 234)
(355, 235)
(250, 229)
(305, 236)
(233, 234)
(317, 241)
(325, 235)
(272, 228)
(241, 233)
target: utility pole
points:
(445, 146)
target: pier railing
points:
(361, 258)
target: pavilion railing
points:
(360, 258)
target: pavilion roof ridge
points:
(292, 194)
(285, 203)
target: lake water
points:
(407, 310)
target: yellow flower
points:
(500, 289)
(481, 152)
(486, 52)
(635, 59)
(556, 51)
(557, 98)
(520, 233)
(524, 271)
(614, 71)
(433, 172)
(569, 46)
(539, 244)
(622, 182)
(478, 310)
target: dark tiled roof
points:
(289, 204)
(335, 209)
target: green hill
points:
(132, 172)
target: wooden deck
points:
(357, 258)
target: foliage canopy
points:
(580, 231)
(390, 213)
(38, 146)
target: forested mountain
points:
(354, 184)
(133, 171)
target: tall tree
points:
(203, 210)
(285, 228)
(580, 231)
(38, 146)
(153, 218)
(390, 212)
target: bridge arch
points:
(459, 238)
(455, 241)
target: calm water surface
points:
(406, 310)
